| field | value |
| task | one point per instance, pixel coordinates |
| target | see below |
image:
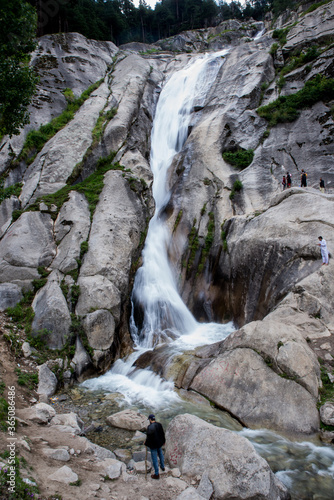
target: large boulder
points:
(47, 381)
(10, 295)
(27, 245)
(128, 419)
(230, 461)
(71, 229)
(100, 329)
(52, 316)
(241, 382)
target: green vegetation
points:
(36, 139)
(23, 491)
(29, 380)
(22, 312)
(287, 108)
(300, 59)
(223, 236)
(193, 245)
(237, 186)
(14, 190)
(326, 392)
(241, 158)
(18, 22)
(207, 242)
(91, 187)
(315, 6)
(101, 124)
(281, 35)
(177, 220)
(273, 49)
(3, 411)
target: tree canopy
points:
(121, 22)
(18, 22)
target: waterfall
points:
(158, 311)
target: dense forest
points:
(121, 22)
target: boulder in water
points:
(230, 461)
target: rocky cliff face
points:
(74, 234)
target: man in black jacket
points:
(155, 440)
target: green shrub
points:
(3, 414)
(30, 380)
(273, 49)
(237, 186)
(280, 34)
(287, 108)
(240, 159)
(14, 190)
(23, 491)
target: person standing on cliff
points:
(155, 440)
(288, 179)
(322, 185)
(324, 250)
(303, 179)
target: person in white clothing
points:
(324, 250)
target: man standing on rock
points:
(155, 440)
(324, 250)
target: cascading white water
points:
(155, 291)
(163, 313)
(304, 467)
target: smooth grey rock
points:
(51, 313)
(241, 382)
(234, 469)
(123, 455)
(27, 244)
(98, 451)
(41, 413)
(114, 236)
(175, 483)
(71, 229)
(284, 346)
(69, 421)
(56, 161)
(6, 210)
(56, 454)
(316, 26)
(47, 381)
(99, 327)
(205, 488)
(81, 362)
(190, 494)
(26, 349)
(128, 419)
(64, 475)
(64, 60)
(111, 468)
(327, 413)
(142, 467)
(10, 295)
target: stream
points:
(159, 315)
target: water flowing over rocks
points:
(233, 468)
(249, 256)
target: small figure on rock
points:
(155, 440)
(322, 185)
(324, 250)
(284, 182)
(303, 179)
(288, 179)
